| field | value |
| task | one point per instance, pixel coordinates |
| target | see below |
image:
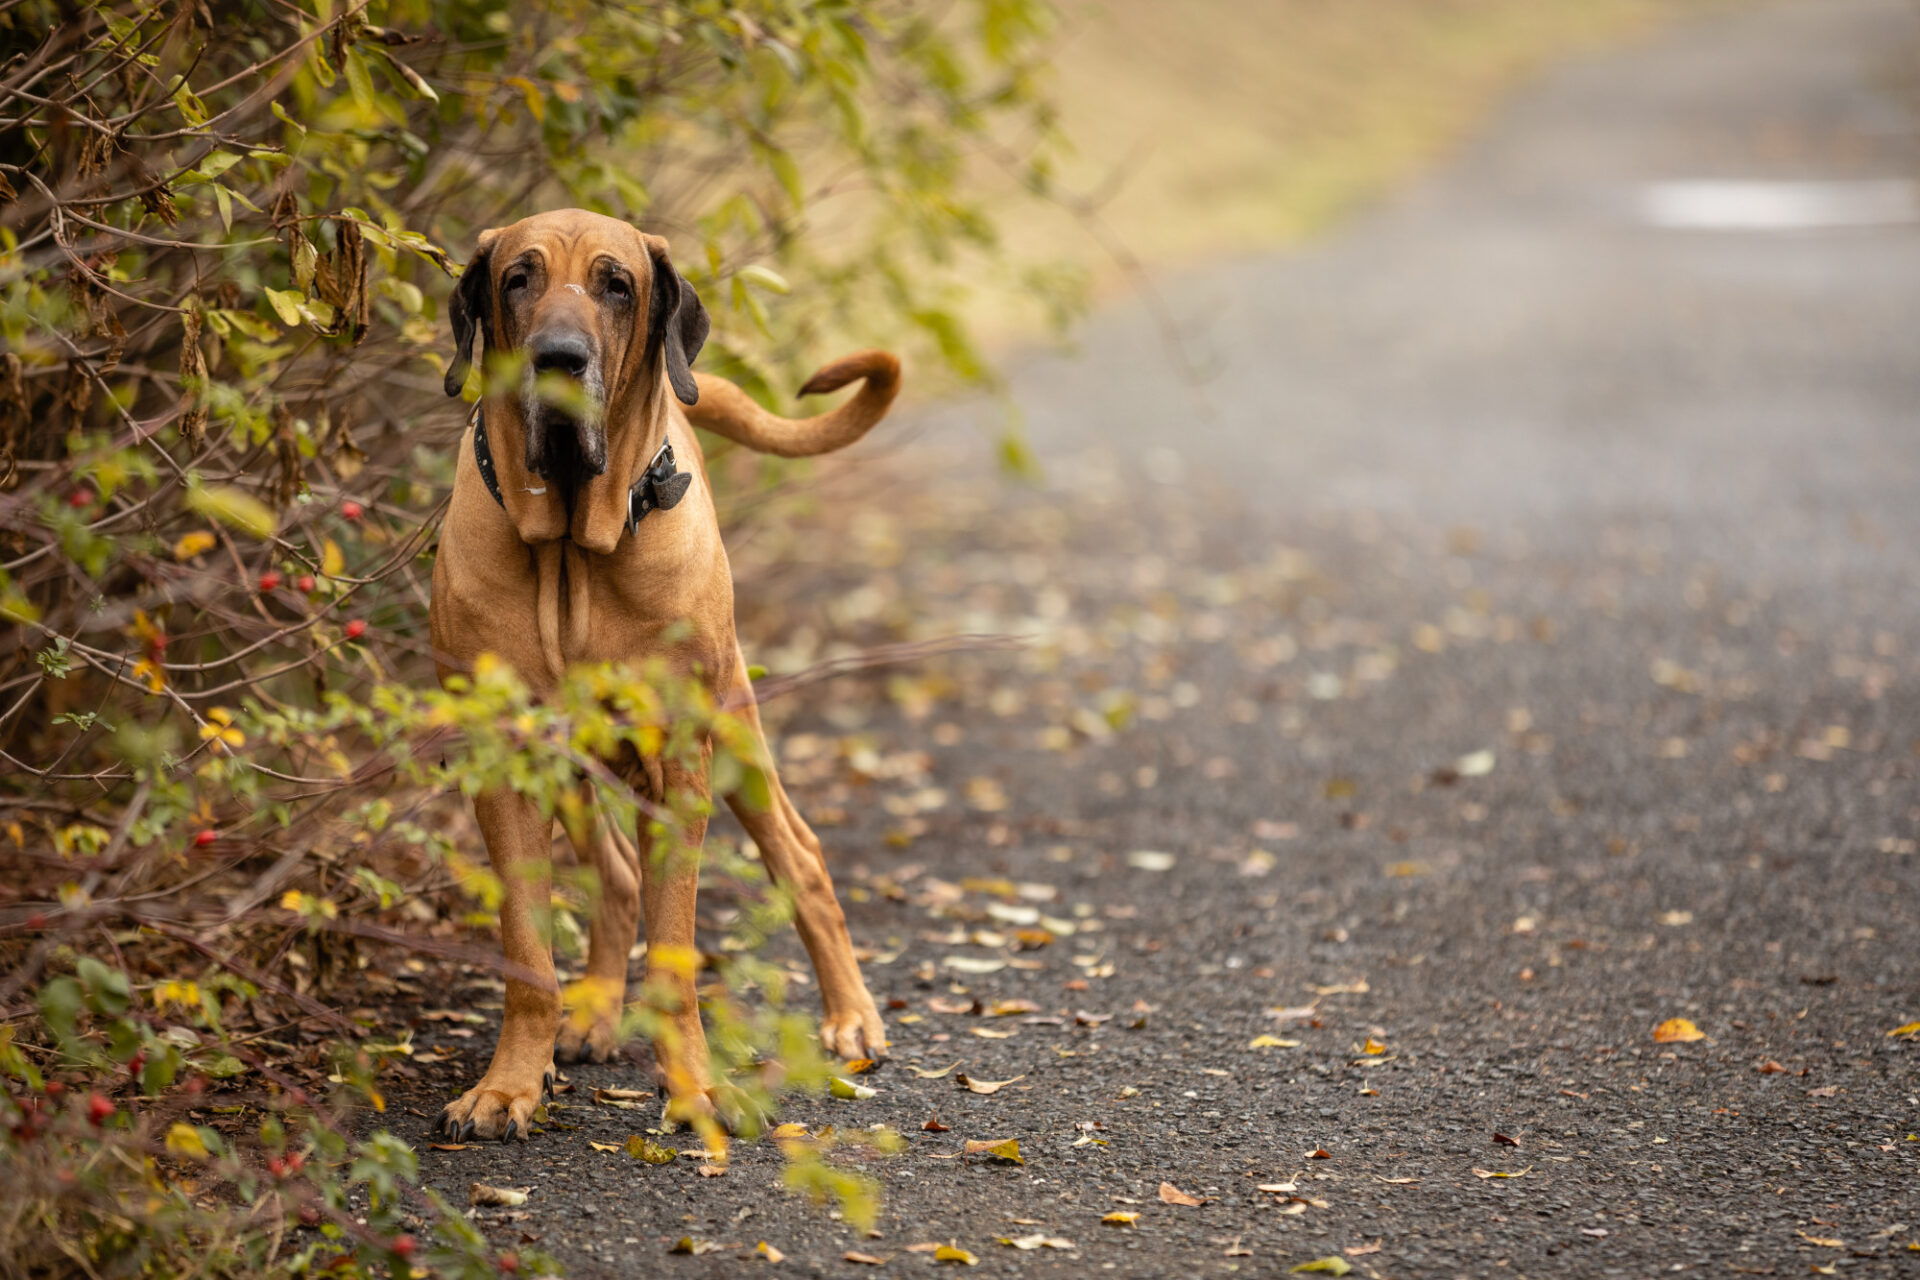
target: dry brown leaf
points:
(968, 1083)
(1170, 1194)
(1319, 1153)
(1361, 1250)
(480, 1194)
(1007, 1149)
(934, 1126)
(923, 1074)
(1825, 1242)
(852, 1256)
(1824, 1091)
(1771, 1068)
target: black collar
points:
(659, 487)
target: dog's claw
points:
(546, 1084)
(513, 1130)
(466, 1131)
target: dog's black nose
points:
(566, 353)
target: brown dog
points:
(589, 536)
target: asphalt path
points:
(1506, 646)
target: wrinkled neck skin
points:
(636, 424)
(545, 588)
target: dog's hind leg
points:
(850, 1026)
(590, 1028)
(519, 844)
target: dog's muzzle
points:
(566, 439)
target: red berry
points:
(135, 1063)
(204, 838)
(304, 582)
(98, 1109)
(510, 1262)
(38, 920)
(276, 1166)
(309, 1216)
(351, 509)
(404, 1246)
(295, 1162)
(356, 628)
(269, 581)
(81, 497)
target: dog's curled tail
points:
(726, 410)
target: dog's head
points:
(604, 325)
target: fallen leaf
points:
(974, 964)
(770, 1253)
(1502, 1140)
(480, 1194)
(448, 1146)
(1295, 1013)
(620, 1099)
(1677, 1030)
(1278, 1188)
(1170, 1194)
(713, 1171)
(1494, 1173)
(1150, 860)
(1358, 987)
(988, 1033)
(1476, 765)
(644, 1148)
(954, 1253)
(940, 1004)
(604, 1146)
(1361, 1250)
(1824, 1091)
(695, 1246)
(1005, 1008)
(859, 1066)
(789, 1131)
(867, 1258)
(1373, 1047)
(1007, 1149)
(1911, 1029)
(842, 1088)
(1272, 1042)
(1120, 1219)
(1319, 1153)
(1676, 918)
(1825, 1242)
(925, 1246)
(1771, 1068)
(923, 1074)
(968, 1083)
(1399, 1182)
(1038, 1240)
(934, 1126)
(1333, 1264)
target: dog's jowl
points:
(582, 530)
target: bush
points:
(227, 232)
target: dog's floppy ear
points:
(676, 323)
(472, 309)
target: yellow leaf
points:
(604, 1146)
(1911, 1029)
(332, 562)
(185, 1141)
(193, 544)
(770, 1253)
(1373, 1046)
(1117, 1219)
(1333, 1265)
(999, 1148)
(235, 508)
(1676, 1030)
(841, 1088)
(1272, 1042)
(954, 1253)
(174, 991)
(1494, 1173)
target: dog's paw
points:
(598, 1041)
(854, 1030)
(495, 1108)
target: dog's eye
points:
(617, 287)
(518, 280)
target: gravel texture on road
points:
(1510, 648)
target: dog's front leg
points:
(519, 842)
(590, 1030)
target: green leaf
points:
(286, 303)
(1332, 1264)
